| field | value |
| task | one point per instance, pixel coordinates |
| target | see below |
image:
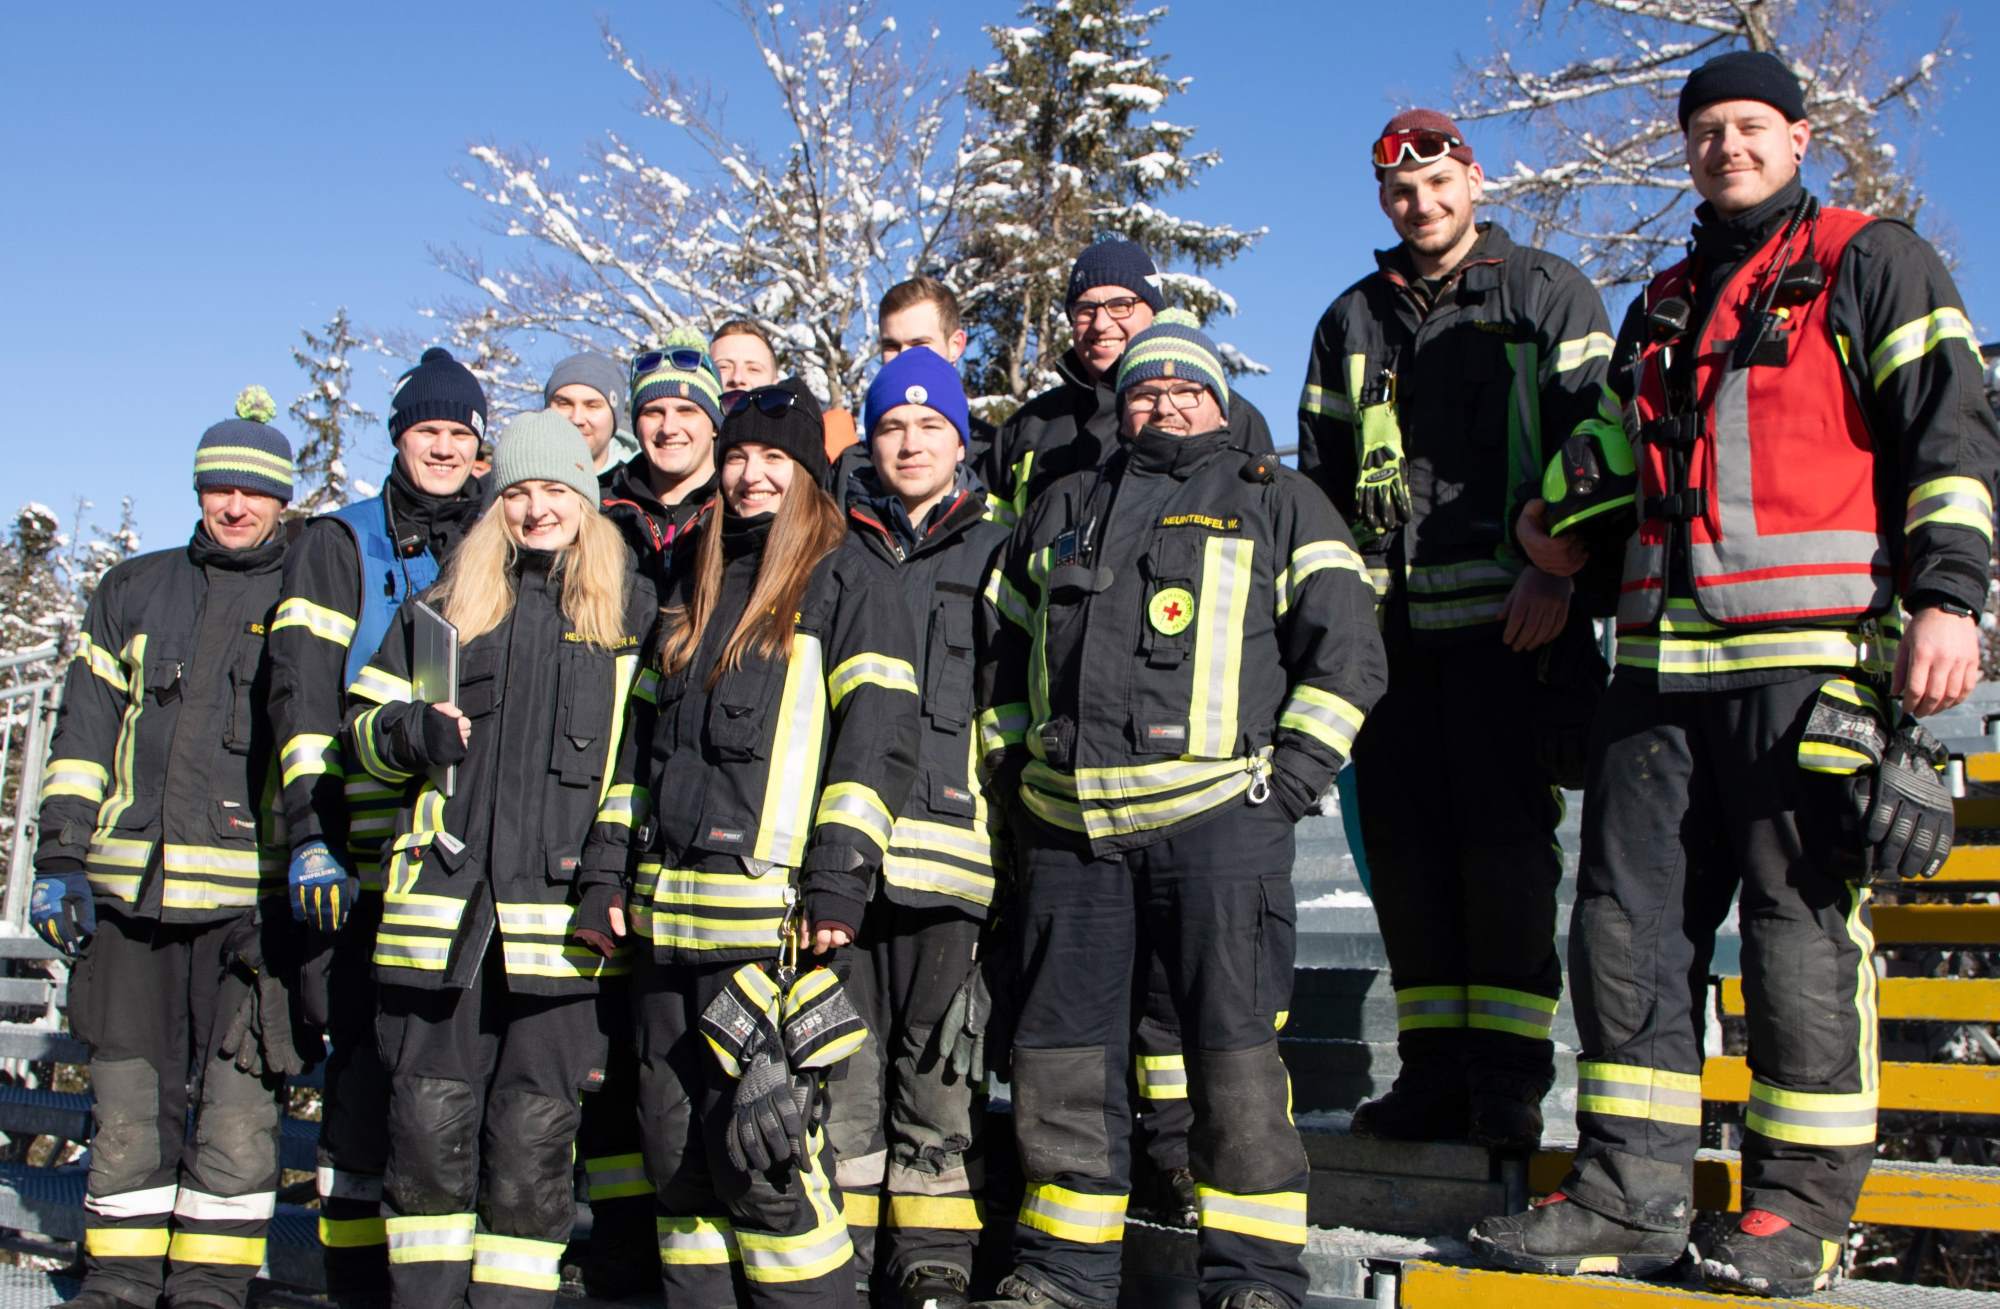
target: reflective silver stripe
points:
(1440, 579)
(549, 919)
(1514, 1012)
(338, 1184)
(1114, 820)
(1276, 1216)
(1578, 351)
(795, 756)
(484, 1255)
(405, 906)
(457, 1232)
(1326, 403)
(1314, 557)
(225, 1208)
(917, 874)
(870, 669)
(134, 1204)
(1954, 501)
(761, 1254)
(1218, 645)
(859, 806)
(601, 1182)
(1323, 716)
(1431, 616)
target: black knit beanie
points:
(797, 429)
(439, 387)
(1115, 263)
(1744, 75)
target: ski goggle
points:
(1417, 146)
(770, 400)
(684, 358)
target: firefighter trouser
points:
(353, 1148)
(1162, 1114)
(1459, 824)
(163, 1212)
(915, 1169)
(1691, 797)
(480, 1190)
(609, 1151)
(1215, 903)
(773, 1239)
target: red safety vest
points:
(1783, 522)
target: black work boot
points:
(1765, 1255)
(1167, 1197)
(1560, 1236)
(934, 1286)
(94, 1300)
(1506, 1112)
(1416, 1109)
(1020, 1290)
(1255, 1297)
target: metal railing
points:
(30, 693)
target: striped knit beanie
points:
(1173, 347)
(679, 369)
(245, 453)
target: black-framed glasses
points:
(770, 400)
(686, 358)
(1182, 398)
(1119, 307)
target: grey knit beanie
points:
(603, 375)
(544, 447)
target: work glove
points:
(259, 1039)
(821, 1026)
(742, 1021)
(770, 1116)
(442, 745)
(1905, 810)
(62, 911)
(593, 917)
(961, 1033)
(323, 891)
(1381, 492)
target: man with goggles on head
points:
(676, 410)
(1430, 387)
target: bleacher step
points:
(1425, 1285)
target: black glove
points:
(1905, 810)
(593, 917)
(1293, 797)
(770, 1116)
(961, 1033)
(442, 745)
(259, 1039)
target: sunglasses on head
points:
(771, 400)
(686, 358)
(1418, 145)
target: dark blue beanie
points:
(246, 453)
(1115, 263)
(439, 387)
(920, 376)
(1744, 75)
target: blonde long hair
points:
(808, 527)
(477, 592)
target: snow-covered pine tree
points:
(1068, 146)
(801, 237)
(327, 417)
(1611, 189)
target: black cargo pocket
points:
(737, 713)
(1277, 942)
(235, 823)
(163, 677)
(562, 866)
(576, 754)
(243, 700)
(391, 1025)
(948, 697)
(1171, 568)
(479, 680)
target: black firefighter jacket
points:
(1189, 625)
(774, 782)
(504, 850)
(942, 853)
(162, 777)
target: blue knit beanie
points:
(246, 453)
(1174, 346)
(439, 387)
(1115, 263)
(920, 376)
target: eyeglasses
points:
(1420, 145)
(1182, 398)
(770, 400)
(1120, 308)
(685, 358)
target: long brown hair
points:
(807, 528)
(477, 592)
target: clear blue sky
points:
(192, 184)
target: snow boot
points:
(1020, 1290)
(1560, 1236)
(935, 1286)
(1766, 1255)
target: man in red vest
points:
(1794, 451)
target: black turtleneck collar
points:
(536, 563)
(206, 552)
(1720, 240)
(1155, 451)
(440, 520)
(744, 536)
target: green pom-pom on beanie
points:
(255, 403)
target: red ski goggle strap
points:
(1420, 145)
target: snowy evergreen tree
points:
(801, 238)
(1611, 188)
(1069, 146)
(327, 419)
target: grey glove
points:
(961, 1033)
(770, 1116)
(1906, 811)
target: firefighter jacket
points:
(502, 851)
(776, 780)
(1163, 636)
(1475, 367)
(162, 777)
(1074, 428)
(943, 850)
(1794, 481)
(650, 526)
(345, 576)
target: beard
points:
(1442, 237)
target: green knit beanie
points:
(544, 446)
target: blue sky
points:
(193, 184)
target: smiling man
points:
(1429, 386)
(676, 401)
(1800, 402)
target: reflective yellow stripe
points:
(1218, 645)
(1810, 1118)
(802, 1258)
(1272, 1215)
(1867, 1014)
(79, 778)
(1161, 1076)
(372, 683)
(101, 662)
(870, 669)
(126, 1242)
(1315, 557)
(1324, 403)
(1954, 501)
(624, 805)
(352, 1233)
(1009, 603)
(1917, 338)
(1518, 1013)
(206, 1248)
(1073, 1216)
(370, 749)
(431, 1238)
(1419, 1007)
(1323, 716)
(1627, 1091)
(786, 811)
(322, 622)
(851, 804)
(698, 1241)
(1002, 726)
(612, 1177)
(861, 1208)
(517, 1261)
(134, 660)
(953, 1213)
(1578, 351)
(310, 754)
(678, 908)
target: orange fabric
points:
(840, 433)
